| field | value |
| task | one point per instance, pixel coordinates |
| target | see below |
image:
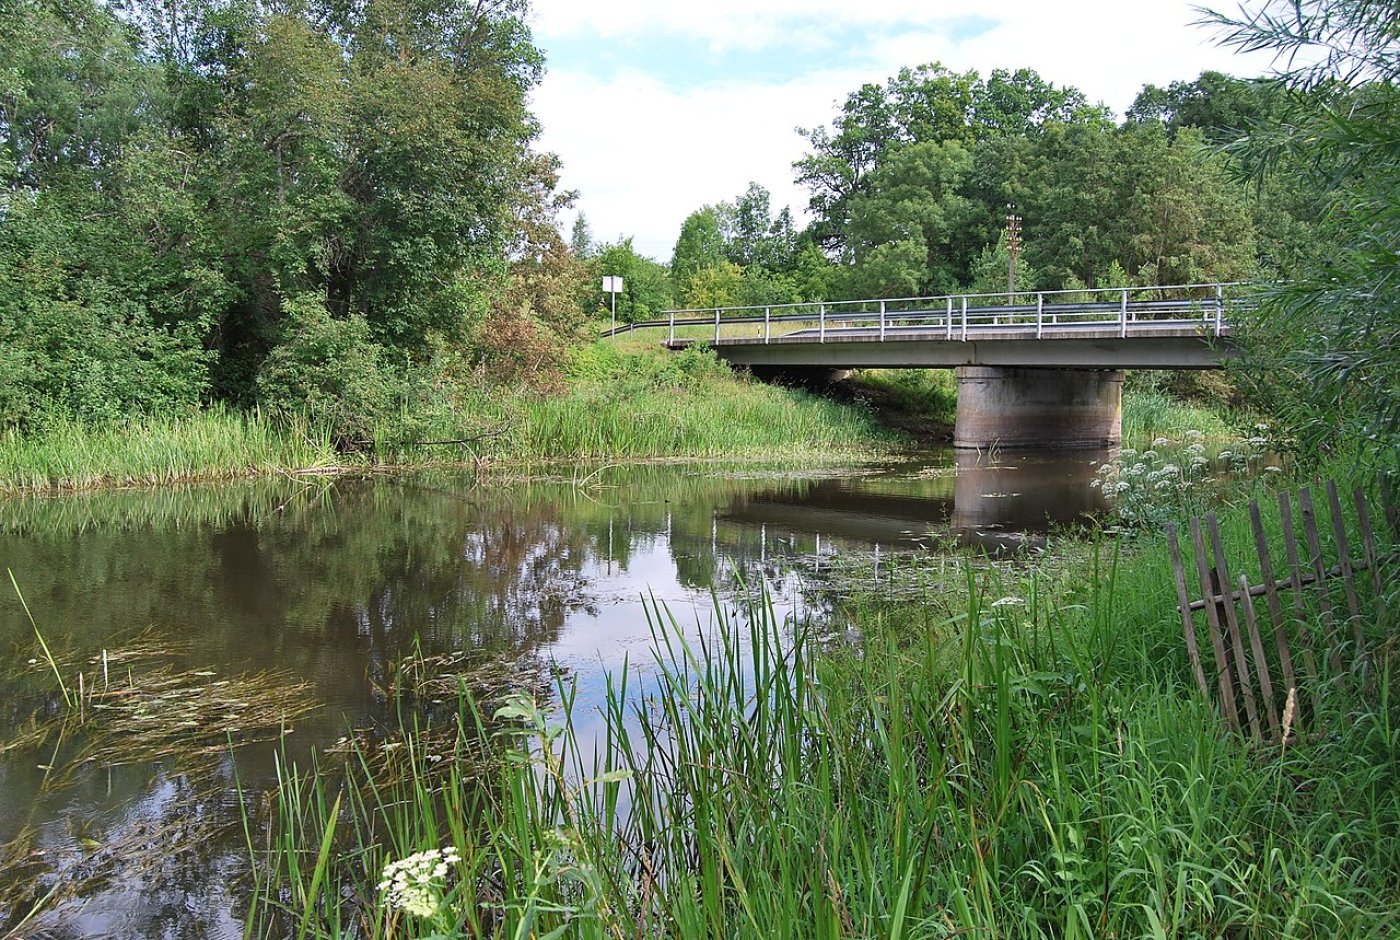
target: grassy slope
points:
(621, 404)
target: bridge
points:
(1039, 369)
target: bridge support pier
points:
(1015, 408)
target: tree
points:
(646, 284)
(1324, 348)
(700, 245)
(1221, 107)
(581, 238)
(927, 104)
(902, 230)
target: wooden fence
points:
(1257, 687)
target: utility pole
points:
(1013, 248)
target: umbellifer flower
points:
(416, 884)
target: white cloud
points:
(682, 147)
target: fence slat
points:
(1217, 638)
(1319, 568)
(1266, 568)
(1220, 586)
(1388, 507)
(1261, 662)
(1372, 556)
(1300, 610)
(1339, 532)
(1188, 623)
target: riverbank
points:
(993, 751)
(616, 407)
(618, 404)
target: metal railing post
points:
(1039, 314)
(964, 318)
(716, 324)
(948, 320)
(767, 323)
(821, 323)
(882, 321)
(1219, 308)
(1123, 315)
(673, 325)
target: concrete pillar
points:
(1015, 408)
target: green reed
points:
(215, 444)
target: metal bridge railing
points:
(960, 316)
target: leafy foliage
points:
(181, 185)
(1326, 349)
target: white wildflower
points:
(416, 884)
(1122, 486)
(1196, 448)
(1160, 442)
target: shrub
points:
(329, 370)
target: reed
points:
(1150, 413)
(207, 445)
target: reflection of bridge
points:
(987, 504)
(1037, 369)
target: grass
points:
(621, 403)
(1028, 761)
(214, 444)
(1150, 413)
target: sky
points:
(658, 107)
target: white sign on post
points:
(612, 286)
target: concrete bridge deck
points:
(1162, 344)
(1039, 370)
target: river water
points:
(194, 614)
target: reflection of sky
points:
(592, 644)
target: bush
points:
(95, 358)
(328, 370)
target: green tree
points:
(927, 104)
(903, 229)
(1324, 347)
(700, 246)
(646, 283)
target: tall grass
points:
(1150, 413)
(214, 444)
(1035, 766)
(644, 404)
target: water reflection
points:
(335, 583)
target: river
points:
(199, 616)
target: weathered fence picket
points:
(1252, 681)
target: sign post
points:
(613, 286)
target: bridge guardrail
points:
(955, 315)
